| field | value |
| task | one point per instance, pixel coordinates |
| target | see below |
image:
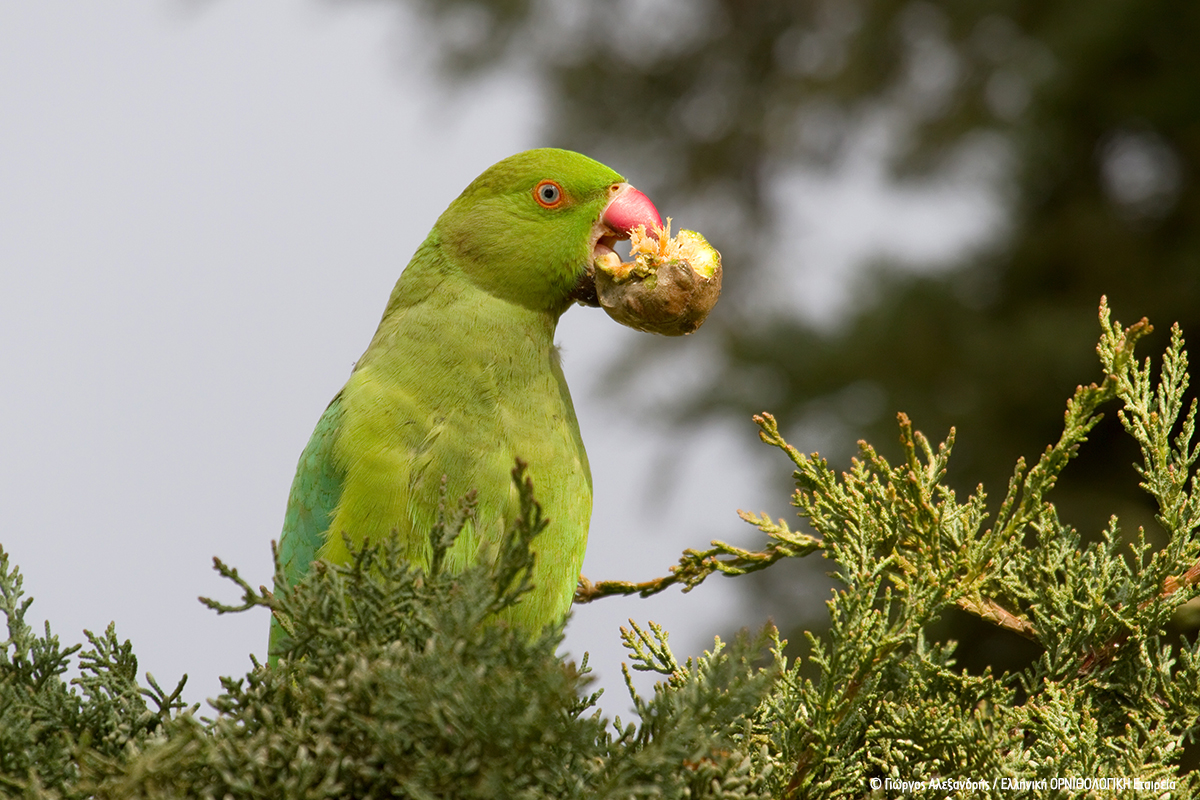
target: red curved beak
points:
(628, 209)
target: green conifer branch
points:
(396, 683)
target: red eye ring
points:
(548, 194)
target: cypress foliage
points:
(396, 683)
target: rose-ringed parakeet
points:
(462, 378)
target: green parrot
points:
(462, 378)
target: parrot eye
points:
(548, 194)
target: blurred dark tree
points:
(1088, 111)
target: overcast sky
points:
(203, 208)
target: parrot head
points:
(530, 227)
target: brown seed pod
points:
(668, 286)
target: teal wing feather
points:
(316, 490)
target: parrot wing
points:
(316, 490)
